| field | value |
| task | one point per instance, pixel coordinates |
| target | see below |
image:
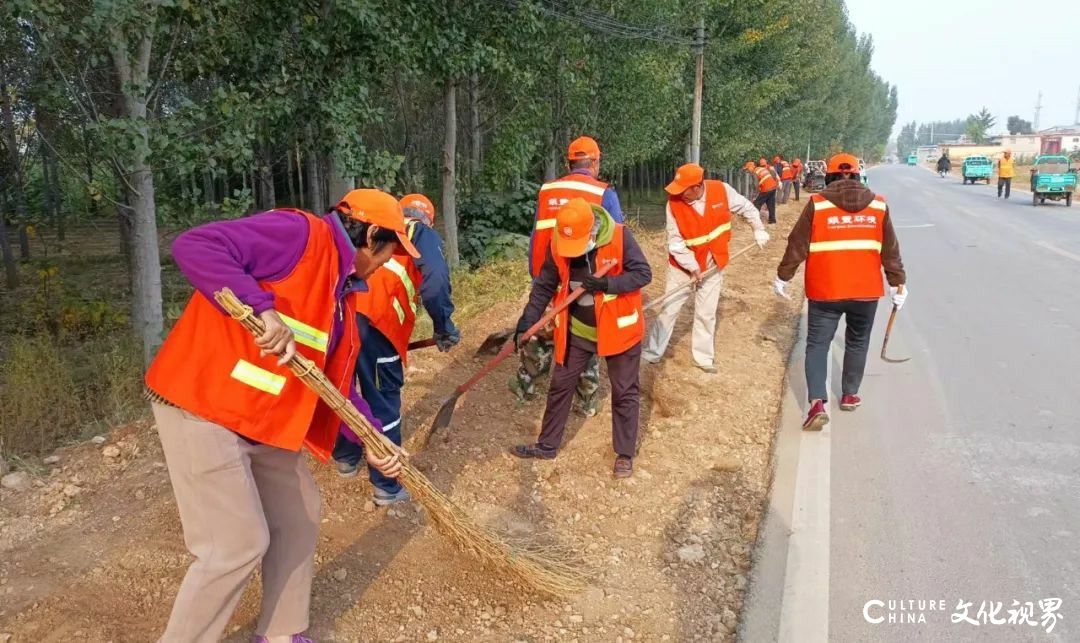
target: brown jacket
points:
(850, 196)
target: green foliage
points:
(497, 226)
(1017, 125)
(975, 130)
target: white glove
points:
(761, 237)
(779, 286)
(899, 295)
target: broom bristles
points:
(543, 568)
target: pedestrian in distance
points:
(607, 321)
(386, 316)
(232, 418)
(784, 171)
(698, 235)
(583, 158)
(944, 164)
(1006, 172)
(796, 176)
(845, 235)
(767, 183)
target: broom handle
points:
(509, 347)
(708, 273)
(313, 377)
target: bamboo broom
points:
(544, 568)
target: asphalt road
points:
(959, 478)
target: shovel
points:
(446, 411)
(421, 343)
(885, 344)
(656, 303)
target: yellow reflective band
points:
(395, 267)
(823, 204)
(259, 378)
(307, 335)
(610, 297)
(877, 204)
(697, 241)
(628, 320)
(398, 310)
(574, 185)
(545, 224)
(854, 244)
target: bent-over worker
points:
(846, 237)
(699, 232)
(608, 320)
(766, 183)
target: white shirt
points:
(737, 203)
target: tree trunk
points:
(449, 174)
(316, 202)
(551, 164)
(339, 182)
(474, 127)
(300, 199)
(10, 270)
(289, 178)
(134, 76)
(18, 187)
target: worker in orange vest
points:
(796, 175)
(845, 235)
(583, 158)
(767, 182)
(232, 418)
(787, 175)
(608, 320)
(698, 233)
(386, 316)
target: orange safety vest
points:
(707, 233)
(392, 298)
(786, 173)
(766, 182)
(210, 366)
(620, 319)
(552, 197)
(845, 251)
(796, 170)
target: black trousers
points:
(623, 373)
(822, 319)
(1005, 183)
(768, 199)
(798, 184)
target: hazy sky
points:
(950, 58)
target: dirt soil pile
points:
(91, 547)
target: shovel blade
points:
(444, 416)
(494, 342)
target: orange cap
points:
(583, 147)
(776, 159)
(796, 160)
(749, 167)
(843, 162)
(573, 228)
(687, 176)
(378, 208)
(418, 202)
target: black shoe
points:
(533, 451)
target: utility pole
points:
(699, 72)
(1076, 119)
(1038, 108)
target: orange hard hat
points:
(843, 162)
(583, 147)
(418, 202)
(796, 160)
(377, 208)
(687, 176)
(749, 167)
(573, 228)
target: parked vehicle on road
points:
(1054, 178)
(814, 177)
(912, 159)
(976, 168)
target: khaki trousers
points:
(241, 504)
(706, 299)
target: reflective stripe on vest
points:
(307, 335)
(259, 378)
(852, 244)
(545, 224)
(394, 266)
(573, 185)
(398, 309)
(627, 320)
(697, 241)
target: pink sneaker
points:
(817, 418)
(850, 402)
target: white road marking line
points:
(917, 225)
(1052, 248)
(804, 612)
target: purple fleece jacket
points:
(238, 254)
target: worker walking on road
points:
(796, 175)
(583, 157)
(608, 320)
(232, 418)
(767, 184)
(698, 232)
(1006, 172)
(386, 316)
(846, 237)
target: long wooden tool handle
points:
(421, 343)
(509, 347)
(888, 330)
(708, 273)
